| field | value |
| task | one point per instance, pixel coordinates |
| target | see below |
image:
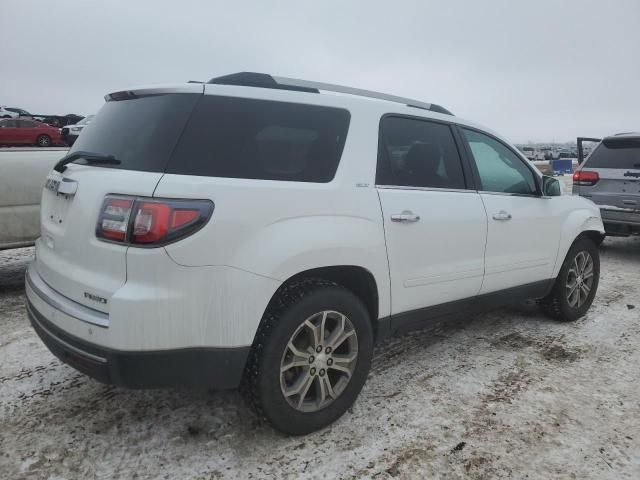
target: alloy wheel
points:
(579, 279)
(318, 361)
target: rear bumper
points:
(620, 221)
(219, 368)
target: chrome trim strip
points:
(505, 194)
(426, 189)
(66, 345)
(62, 303)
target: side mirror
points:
(551, 187)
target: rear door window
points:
(418, 153)
(259, 139)
(616, 153)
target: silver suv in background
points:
(610, 177)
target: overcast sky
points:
(537, 70)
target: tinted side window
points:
(9, 123)
(140, 132)
(500, 169)
(418, 153)
(26, 124)
(260, 139)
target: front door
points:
(523, 227)
(435, 227)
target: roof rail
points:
(263, 80)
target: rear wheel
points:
(43, 141)
(577, 282)
(311, 357)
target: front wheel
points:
(43, 141)
(311, 357)
(577, 282)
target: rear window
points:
(140, 132)
(260, 139)
(618, 153)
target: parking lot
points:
(506, 394)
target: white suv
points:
(266, 232)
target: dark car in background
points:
(610, 177)
(28, 132)
(61, 120)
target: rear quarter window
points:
(618, 153)
(260, 139)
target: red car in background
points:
(28, 132)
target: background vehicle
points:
(60, 120)
(11, 112)
(532, 153)
(28, 132)
(255, 230)
(567, 154)
(547, 153)
(70, 133)
(23, 174)
(610, 177)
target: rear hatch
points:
(616, 161)
(139, 129)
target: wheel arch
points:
(582, 222)
(357, 279)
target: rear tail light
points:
(150, 222)
(114, 220)
(585, 177)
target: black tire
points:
(556, 304)
(43, 141)
(293, 305)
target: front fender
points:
(577, 221)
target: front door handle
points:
(405, 216)
(502, 216)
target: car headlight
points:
(76, 129)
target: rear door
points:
(435, 226)
(141, 130)
(27, 131)
(617, 162)
(523, 228)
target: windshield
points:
(140, 132)
(618, 153)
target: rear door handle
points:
(405, 216)
(502, 216)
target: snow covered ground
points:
(508, 394)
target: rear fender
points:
(290, 246)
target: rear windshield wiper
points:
(89, 157)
